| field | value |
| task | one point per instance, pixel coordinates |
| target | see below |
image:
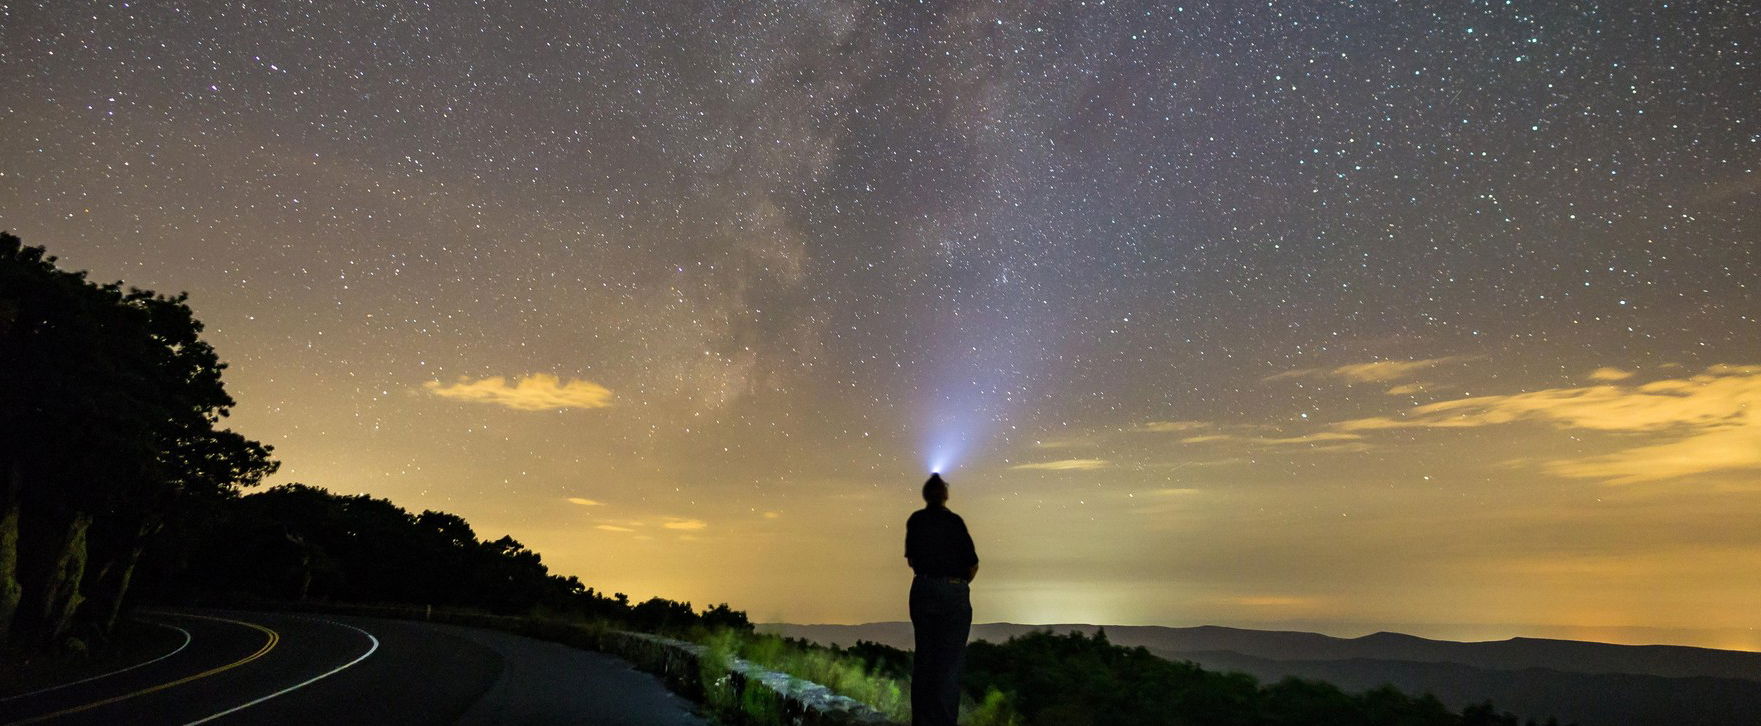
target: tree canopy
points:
(110, 417)
(1079, 680)
(301, 543)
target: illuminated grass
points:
(844, 674)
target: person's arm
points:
(971, 553)
(909, 548)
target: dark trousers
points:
(941, 618)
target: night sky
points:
(1340, 315)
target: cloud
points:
(1065, 443)
(1381, 371)
(1406, 389)
(686, 524)
(536, 392)
(1207, 438)
(1607, 373)
(1712, 422)
(1313, 438)
(1341, 441)
(772, 515)
(1252, 435)
(613, 528)
(1173, 426)
(1066, 465)
(585, 502)
(1229, 461)
(1349, 448)
(1734, 448)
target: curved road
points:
(273, 668)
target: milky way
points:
(1437, 314)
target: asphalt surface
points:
(273, 668)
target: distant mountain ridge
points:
(1591, 684)
(1571, 656)
(1587, 699)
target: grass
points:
(844, 674)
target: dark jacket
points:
(937, 543)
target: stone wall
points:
(737, 688)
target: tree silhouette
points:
(299, 542)
(109, 419)
(1078, 679)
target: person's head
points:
(935, 491)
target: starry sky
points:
(1338, 315)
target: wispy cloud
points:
(1317, 437)
(1381, 371)
(613, 528)
(585, 502)
(1174, 491)
(536, 392)
(1320, 441)
(1609, 373)
(1067, 442)
(686, 524)
(1723, 449)
(1250, 435)
(1173, 426)
(1066, 465)
(1208, 438)
(1711, 422)
(1226, 461)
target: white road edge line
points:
(174, 651)
(302, 684)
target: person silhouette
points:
(939, 550)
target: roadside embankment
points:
(733, 689)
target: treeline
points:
(298, 543)
(110, 413)
(1078, 680)
(116, 475)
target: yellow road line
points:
(268, 645)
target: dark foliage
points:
(110, 423)
(298, 543)
(879, 659)
(1073, 680)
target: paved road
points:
(271, 668)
